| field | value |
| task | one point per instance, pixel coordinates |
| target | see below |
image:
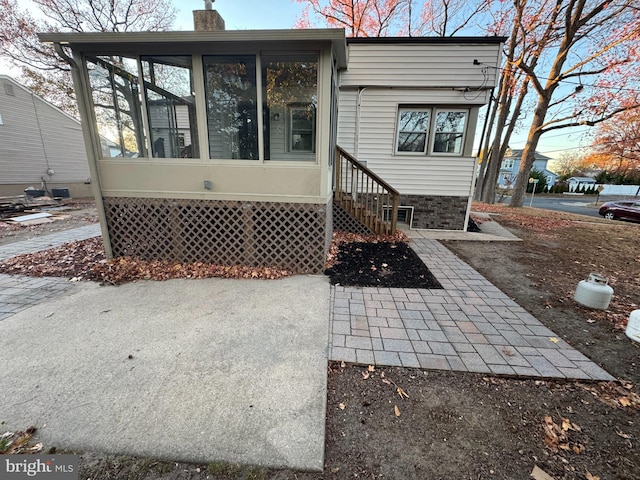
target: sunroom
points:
(211, 146)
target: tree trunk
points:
(484, 149)
(528, 154)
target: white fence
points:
(633, 190)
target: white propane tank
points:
(633, 327)
(594, 292)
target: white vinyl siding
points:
(347, 119)
(415, 174)
(426, 65)
(35, 137)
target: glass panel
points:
(231, 95)
(168, 83)
(449, 132)
(411, 142)
(116, 104)
(290, 96)
(302, 128)
(412, 121)
(412, 130)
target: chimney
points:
(207, 20)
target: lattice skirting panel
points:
(344, 222)
(280, 235)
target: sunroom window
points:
(168, 87)
(290, 99)
(417, 134)
(115, 93)
(146, 106)
(232, 106)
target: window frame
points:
(199, 89)
(291, 109)
(507, 164)
(398, 131)
(432, 129)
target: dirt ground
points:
(72, 214)
(397, 423)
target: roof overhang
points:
(428, 40)
(174, 41)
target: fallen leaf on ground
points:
(557, 436)
(539, 474)
(373, 369)
(341, 406)
(396, 410)
(553, 339)
(589, 476)
(402, 393)
(624, 401)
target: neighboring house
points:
(409, 109)
(576, 183)
(511, 165)
(223, 143)
(40, 146)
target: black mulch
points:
(473, 226)
(382, 264)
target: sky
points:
(282, 14)
(243, 14)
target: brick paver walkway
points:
(49, 241)
(469, 325)
(19, 292)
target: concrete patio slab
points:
(187, 370)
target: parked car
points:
(621, 210)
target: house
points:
(40, 146)
(223, 144)
(511, 165)
(577, 183)
(408, 110)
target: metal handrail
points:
(364, 195)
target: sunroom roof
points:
(107, 42)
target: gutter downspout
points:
(356, 146)
(88, 128)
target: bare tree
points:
(594, 40)
(569, 164)
(41, 69)
(379, 18)
(446, 18)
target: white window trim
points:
(290, 109)
(397, 135)
(431, 133)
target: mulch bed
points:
(382, 264)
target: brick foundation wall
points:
(266, 234)
(434, 212)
